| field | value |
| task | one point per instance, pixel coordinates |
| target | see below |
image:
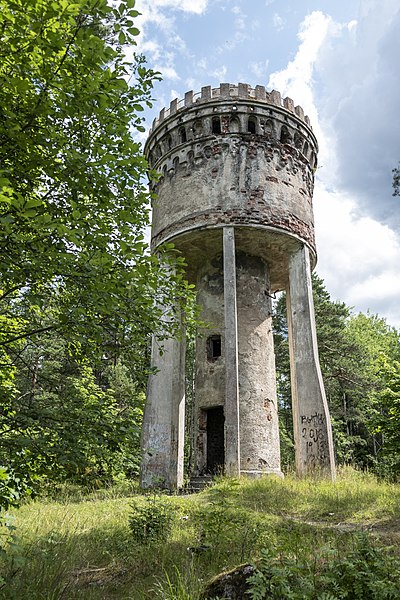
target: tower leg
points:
(259, 423)
(311, 420)
(232, 433)
(164, 418)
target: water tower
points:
(235, 197)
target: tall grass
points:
(81, 546)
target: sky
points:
(339, 60)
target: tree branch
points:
(28, 334)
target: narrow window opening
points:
(251, 125)
(234, 125)
(214, 347)
(269, 128)
(198, 128)
(298, 141)
(216, 125)
(285, 136)
(182, 135)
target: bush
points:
(367, 571)
(151, 519)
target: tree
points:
(70, 420)
(73, 202)
(377, 358)
(387, 421)
(396, 181)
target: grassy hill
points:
(120, 544)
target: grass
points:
(81, 547)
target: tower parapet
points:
(242, 91)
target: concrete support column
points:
(164, 417)
(311, 420)
(259, 423)
(232, 433)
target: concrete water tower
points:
(235, 197)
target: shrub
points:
(151, 519)
(366, 571)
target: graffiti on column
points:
(314, 436)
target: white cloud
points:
(191, 83)
(259, 69)
(162, 49)
(359, 257)
(151, 48)
(360, 87)
(220, 73)
(343, 77)
(295, 80)
(202, 63)
(352, 25)
(240, 19)
(167, 72)
(191, 6)
(278, 22)
(237, 38)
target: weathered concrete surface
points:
(259, 425)
(164, 418)
(216, 386)
(209, 373)
(232, 432)
(260, 174)
(311, 421)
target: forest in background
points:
(80, 296)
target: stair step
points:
(198, 483)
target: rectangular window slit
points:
(214, 347)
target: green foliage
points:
(365, 570)
(220, 523)
(396, 181)
(150, 520)
(387, 420)
(378, 345)
(83, 548)
(67, 424)
(12, 488)
(174, 588)
(216, 519)
(73, 203)
(80, 294)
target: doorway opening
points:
(215, 440)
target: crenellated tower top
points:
(229, 91)
(234, 155)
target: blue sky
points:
(338, 59)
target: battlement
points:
(228, 91)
